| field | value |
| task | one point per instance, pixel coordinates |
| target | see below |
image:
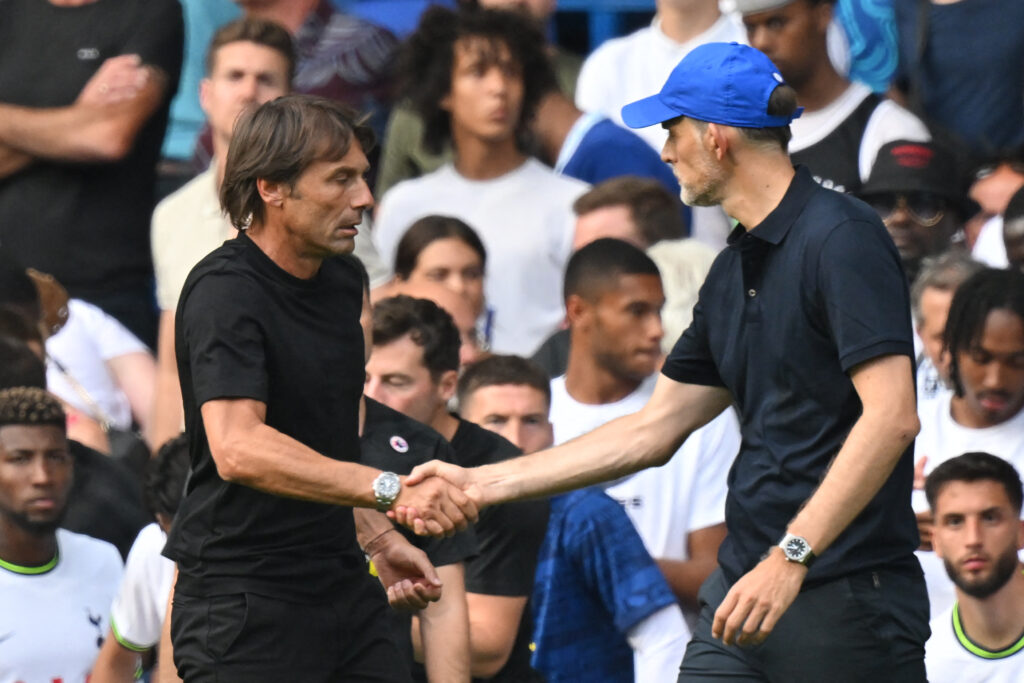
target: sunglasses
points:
(924, 208)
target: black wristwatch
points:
(797, 549)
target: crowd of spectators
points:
(528, 263)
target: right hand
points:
(460, 478)
(439, 508)
(118, 78)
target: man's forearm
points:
(370, 524)
(444, 630)
(686, 576)
(12, 160)
(623, 446)
(863, 464)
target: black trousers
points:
(250, 638)
(870, 626)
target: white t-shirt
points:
(141, 603)
(526, 222)
(952, 658)
(53, 623)
(930, 385)
(990, 248)
(664, 503)
(626, 69)
(940, 439)
(888, 122)
(83, 346)
(187, 226)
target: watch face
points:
(386, 487)
(796, 547)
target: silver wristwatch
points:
(386, 488)
(797, 549)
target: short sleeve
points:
(690, 360)
(138, 611)
(609, 554)
(158, 36)
(223, 339)
(864, 294)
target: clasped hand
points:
(456, 487)
(431, 505)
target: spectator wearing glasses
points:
(914, 188)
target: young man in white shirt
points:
(613, 298)
(984, 338)
(844, 124)
(471, 77)
(55, 586)
(976, 498)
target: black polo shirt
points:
(787, 310)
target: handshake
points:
(438, 499)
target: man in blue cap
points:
(803, 323)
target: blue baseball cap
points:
(724, 83)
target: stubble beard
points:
(1002, 571)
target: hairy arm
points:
(686, 576)
(249, 452)
(644, 439)
(887, 425)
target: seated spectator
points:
(601, 609)
(844, 124)
(915, 188)
(80, 135)
(442, 250)
(1013, 230)
(137, 615)
(250, 61)
(639, 211)
(470, 74)
(613, 297)
(995, 182)
(56, 586)
(403, 152)
(930, 296)
(413, 369)
(474, 345)
(976, 501)
(984, 338)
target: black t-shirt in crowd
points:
(105, 501)
(786, 312)
(509, 537)
(245, 328)
(87, 224)
(394, 442)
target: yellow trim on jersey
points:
(124, 642)
(976, 649)
(30, 571)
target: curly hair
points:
(30, 406)
(428, 57)
(987, 290)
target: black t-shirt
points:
(787, 310)
(509, 536)
(394, 442)
(85, 223)
(105, 500)
(245, 328)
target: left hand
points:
(754, 604)
(404, 571)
